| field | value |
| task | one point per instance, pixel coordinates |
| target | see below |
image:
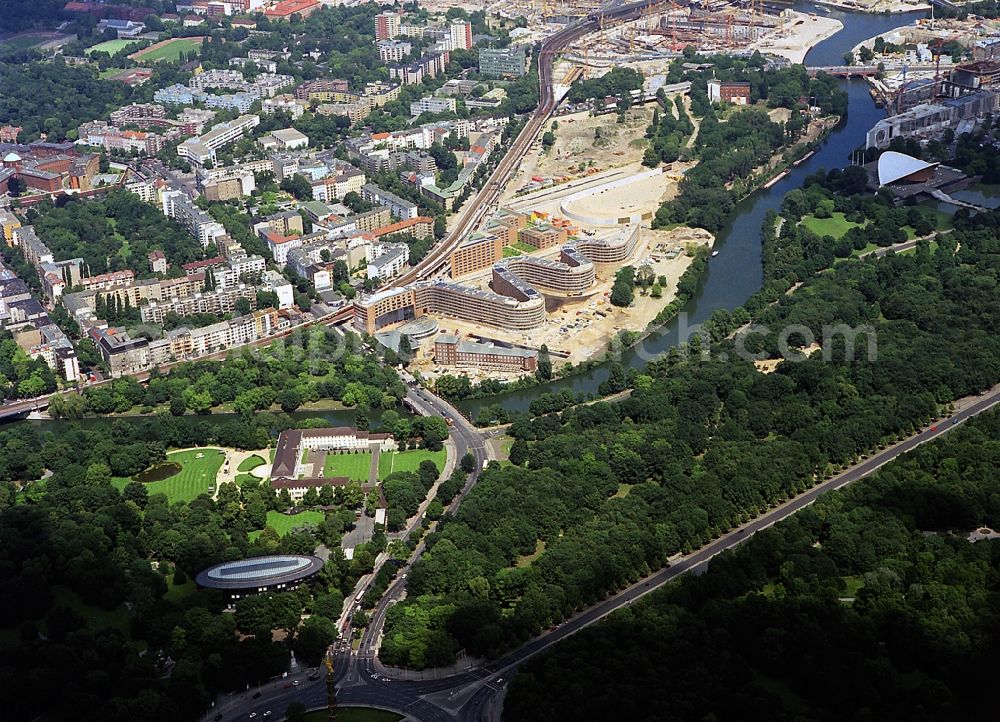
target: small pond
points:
(158, 472)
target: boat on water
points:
(714, 254)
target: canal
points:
(736, 273)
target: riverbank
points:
(876, 7)
(806, 32)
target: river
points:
(736, 273)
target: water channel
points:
(736, 273)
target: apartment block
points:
(387, 26)
(430, 104)
(399, 207)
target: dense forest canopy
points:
(602, 494)
(871, 604)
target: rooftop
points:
(259, 571)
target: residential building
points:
(237, 185)
(393, 51)
(419, 227)
(276, 283)
(510, 62)
(386, 260)
(387, 25)
(284, 103)
(430, 104)
(399, 207)
(8, 224)
(201, 149)
(217, 302)
(325, 89)
(430, 65)
(158, 262)
(198, 223)
(460, 34)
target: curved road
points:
(473, 696)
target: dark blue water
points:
(736, 273)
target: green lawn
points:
(408, 460)
(284, 523)
(248, 480)
(171, 51)
(110, 46)
(251, 462)
(177, 592)
(835, 226)
(353, 466)
(194, 478)
(354, 714)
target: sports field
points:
(389, 462)
(110, 46)
(169, 50)
(199, 468)
(353, 466)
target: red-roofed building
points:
(419, 227)
(287, 8)
(192, 268)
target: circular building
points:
(259, 574)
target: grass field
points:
(251, 462)
(408, 460)
(353, 466)
(835, 226)
(194, 478)
(170, 52)
(354, 714)
(110, 46)
(283, 523)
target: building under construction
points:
(666, 29)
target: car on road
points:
(296, 683)
(256, 695)
(288, 685)
(267, 714)
(253, 715)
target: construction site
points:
(918, 61)
(665, 29)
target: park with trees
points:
(871, 603)
(603, 494)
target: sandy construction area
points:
(585, 145)
(799, 35)
(580, 328)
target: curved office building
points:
(571, 275)
(614, 249)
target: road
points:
(475, 695)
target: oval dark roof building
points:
(259, 573)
